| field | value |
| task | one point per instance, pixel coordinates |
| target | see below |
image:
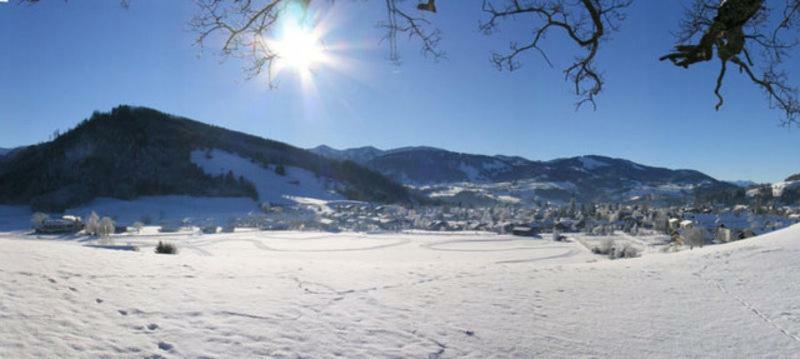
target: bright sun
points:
(299, 48)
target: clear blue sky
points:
(61, 61)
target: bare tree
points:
(105, 227)
(736, 30)
(93, 224)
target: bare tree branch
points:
(399, 21)
(732, 29)
(586, 23)
(244, 26)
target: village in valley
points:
(617, 230)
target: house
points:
(120, 228)
(64, 225)
(566, 225)
(525, 231)
(724, 235)
(169, 228)
(687, 224)
(674, 224)
(209, 229)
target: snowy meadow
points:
(438, 295)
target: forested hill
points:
(134, 151)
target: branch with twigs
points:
(244, 27)
(586, 23)
(399, 21)
(244, 24)
(732, 30)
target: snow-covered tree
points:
(105, 227)
(661, 222)
(93, 224)
(589, 227)
(38, 219)
(695, 237)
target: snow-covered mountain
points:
(133, 152)
(469, 177)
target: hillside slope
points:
(132, 151)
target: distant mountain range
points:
(133, 151)
(475, 178)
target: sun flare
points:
(299, 48)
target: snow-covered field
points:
(319, 295)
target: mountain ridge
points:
(587, 178)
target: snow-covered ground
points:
(300, 294)
(169, 209)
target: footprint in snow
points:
(165, 346)
(152, 326)
(123, 312)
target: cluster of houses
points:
(729, 224)
(63, 225)
(714, 224)
(717, 224)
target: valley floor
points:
(320, 295)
